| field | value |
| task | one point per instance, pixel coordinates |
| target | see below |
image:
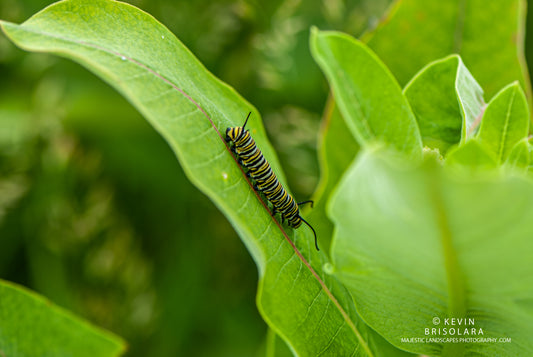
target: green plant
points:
(430, 220)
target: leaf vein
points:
(309, 309)
(332, 338)
(296, 277)
(505, 131)
(207, 162)
(278, 275)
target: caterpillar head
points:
(232, 134)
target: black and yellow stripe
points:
(265, 180)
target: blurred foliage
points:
(95, 211)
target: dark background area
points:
(96, 213)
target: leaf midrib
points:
(505, 130)
(454, 279)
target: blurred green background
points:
(95, 211)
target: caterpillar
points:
(265, 180)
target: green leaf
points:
(417, 243)
(31, 326)
(368, 96)
(446, 100)
(505, 121)
(145, 62)
(337, 149)
(488, 35)
(519, 157)
(471, 156)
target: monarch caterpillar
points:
(266, 182)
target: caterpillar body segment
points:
(265, 181)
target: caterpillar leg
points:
(308, 201)
(274, 212)
(232, 148)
